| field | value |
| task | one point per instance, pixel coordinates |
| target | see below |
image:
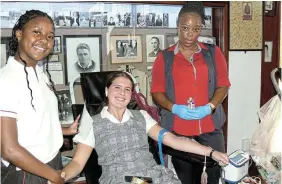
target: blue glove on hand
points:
(202, 111)
(183, 111)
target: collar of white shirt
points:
(106, 114)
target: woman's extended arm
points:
(186, 145)
(81, 155)
(14, 153)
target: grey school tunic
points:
(123, 150)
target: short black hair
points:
(192, 7)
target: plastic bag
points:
(266, 146)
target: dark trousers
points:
(190, 173)
(9, 175)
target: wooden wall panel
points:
(271, 33)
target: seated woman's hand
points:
(221, 158)
(60, 179)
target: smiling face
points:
(189, 29)
(35, 40)
(119, 93)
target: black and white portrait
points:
(141, 22)
(84, 19)
(57, 44)
(62, 18)
(268, 5)
(124, 49)
(75, 19)
(154, 45)
(82, 54)
(165, 19)
(159, 19)
(151, 19)
(208, 18)
(268, 51)
(65, 113)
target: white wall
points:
(243, 97)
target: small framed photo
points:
(82, 54)
(53, 57)
(270, 8)
(268, 51)
(65, 113)
(171, 39)
(57, 45)
(247, 9)
(126, 49)
(154, 45)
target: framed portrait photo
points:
(154, 45)
(57, 48)
(270, 8)
(126, 49)
(171, 39)
(82, 54)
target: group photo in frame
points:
(126, 49)
(57, 48)
(82, 54)
(154, 45)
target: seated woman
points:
(119, 136)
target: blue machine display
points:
(237, 168)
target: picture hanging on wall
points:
(154, 45)
(126, 49)
(82, 53)
(246, 26)
(270, 8)
(57, 45)
(171, 39)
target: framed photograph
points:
(270, 8)
(246, 26)
(53, 57)
(247, 10)
(82, 53)
(268, 51)
(65, 114)
(154, 45)
(126, 49)
(171, 39)
(57, 45)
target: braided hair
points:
(13, 45)
(192, 7)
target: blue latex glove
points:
(202, 111)
(183, 111)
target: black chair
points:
(93, 88)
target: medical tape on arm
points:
(160, 141)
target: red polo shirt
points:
(190, 80)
